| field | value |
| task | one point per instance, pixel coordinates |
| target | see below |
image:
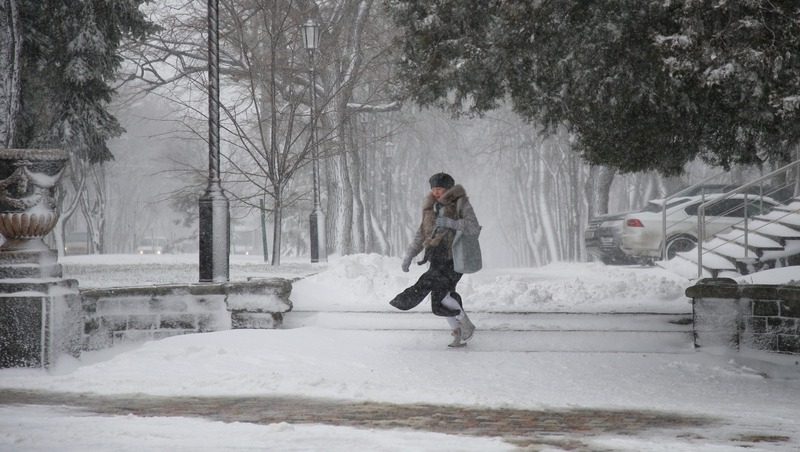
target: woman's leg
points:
(462, 328)
(451, 303)
(465, 326)
(445, 282)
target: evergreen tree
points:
(642, 84)
(70, 55)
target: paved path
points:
(525, 428)
(517, 332)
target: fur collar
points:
(448, 202)
(450, 197)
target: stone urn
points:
(28, 210)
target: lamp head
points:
(311, 35)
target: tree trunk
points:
(380, 242)
(93, 206)
(10, 84)
(344, 211)
(263, 229)
(577, 217)
(543, 212)
(359, 235)
(276, 229)
(368, 188)
(524, 187)
(599, 184)
(77, 186)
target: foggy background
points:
(532, 193)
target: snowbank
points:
(368, 282)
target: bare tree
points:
(69, 197)
(265, 141)
(361, 85)
(266, 94)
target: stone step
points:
(728, 249)
(792, 248)
(711, 260)
(754, 240)
(774, 231)
(791, 206)
(790, 220)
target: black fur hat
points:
(443, 180)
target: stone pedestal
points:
(40, 314)
(39, 321)
(752, 316)
(24, 265)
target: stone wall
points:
(760, 317)
(132, 314)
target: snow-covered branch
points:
(356, 107)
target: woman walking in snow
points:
(445, 211)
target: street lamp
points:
(214, 217)
(316, 220)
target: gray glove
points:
(406, 263)
(444, 222)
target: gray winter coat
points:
(454, 204)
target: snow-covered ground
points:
(325, 357)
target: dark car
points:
(603, 238)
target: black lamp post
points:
(214, 221)
(316, 220)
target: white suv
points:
(642, 232)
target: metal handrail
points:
(673, 196)
(701, 210)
